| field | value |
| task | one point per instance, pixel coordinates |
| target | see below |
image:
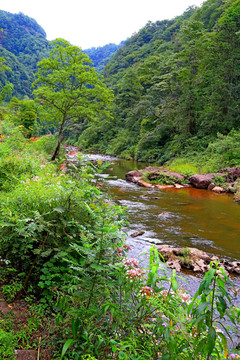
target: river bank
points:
(224, 181)
(181, 217)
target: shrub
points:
(7, 344)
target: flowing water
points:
(181, 217)
(186, 217)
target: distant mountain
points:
(100, 56)
(23, 44)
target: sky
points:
(93, 23)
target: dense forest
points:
(176, 85)
(22, 43)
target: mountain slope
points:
(100, 56)
(23, 43)
(176, 84)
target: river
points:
(186, 217)
(181, 217)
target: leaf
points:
(59, 209)
(201, 308)
(174, 284)
(211, 339)
(5, 224)
(67, 344)
(166, 334)
(75, 326)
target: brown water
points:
(183, 217)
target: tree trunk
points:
(60, 139)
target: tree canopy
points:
(176, 84)
(69, 88)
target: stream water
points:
(180, 217)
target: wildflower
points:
(119, 252)
(147, 291)
(165, 293)
(36, 178)
(131, 262)
(127, 247)
(186, 298)
(135, 273)
(164, 324)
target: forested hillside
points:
(101, 55)
(176, 85)
(22, 43)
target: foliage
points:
(23, 43)
(161, 178)
(70, 88)
(139, 318)
(176, 86)
(61, 241)
(221, 153)
(24, 113)
(7, 344)
(8, 87)
(100, 56)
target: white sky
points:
(88, 23)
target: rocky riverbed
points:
(225, 180)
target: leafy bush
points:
(45, 144)
(15, 168)
(7, 344)
(117, 312)
(226, 148)
(161, 178)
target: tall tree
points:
(70, 88)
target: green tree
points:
(25, 113)
(7, 88)
(70, 88)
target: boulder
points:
(201, 181)
(137, 233)
(144, 183)
(231, 173)
(162, 187)
(178, 186)
(133, 176)
(235, 268)
(156, 174)
(195, 260)
(218, 189)
(211, 186)
(190, 258)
